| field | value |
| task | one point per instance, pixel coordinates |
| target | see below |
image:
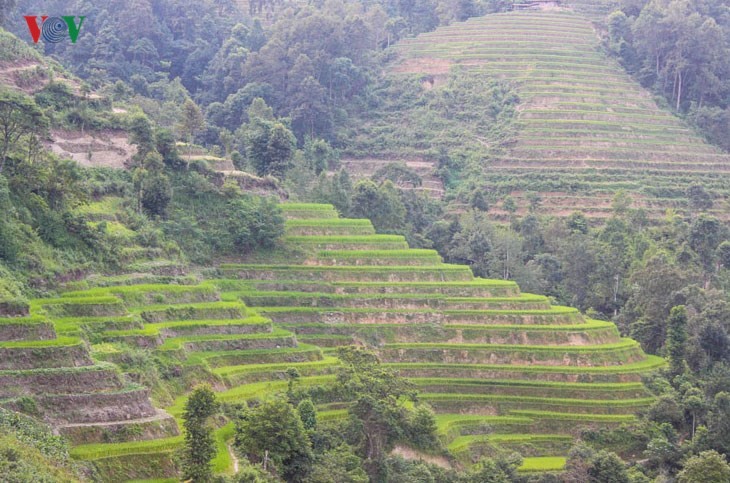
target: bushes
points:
(205, 221)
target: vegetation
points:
(199, 443)
(508, 146)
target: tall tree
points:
(706, 467)
(279, 150)
(199, 443)
(273, 434)
(375, 412)
(677, 338)
(19, 115)
(192, 121)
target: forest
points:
(281, 89)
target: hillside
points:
(580, 131)
(503, 369)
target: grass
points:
(241, 369)
(28, 320)
(90, 452)
(542, 464)
(344, 239)
(575, 404)
(252, 391)
(33, 344)
(254, 357)
(405, 254)
(650, 363)
(305, 207)
(445, 267)
(555, 310)
(325, 222)
(462, 443)
(177, 343)
(576, 386)
(299, 296)
(614, 418)
(100, 299)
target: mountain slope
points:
(582, 130)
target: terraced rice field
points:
(585, 129)
(503, 369)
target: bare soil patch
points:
(110, 148)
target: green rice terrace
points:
(501, 368)
(580, 128)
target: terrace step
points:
(376, 334)
(626, 351)
(26, 328)
(198, 311)
(570, 422)
(250, 373)
(365, 242)
(393, 301)
(606, 391)
(146, 294)
(54, 353)
(211, 343)
(257, 359)
(408, 257)
(631, 372)
(488, 404)
(474, 447)
(155, 334)
(103, 406)
(294, 211)
(95, 306)
(328, 227)
(474, 288)
(99, 377)
(477, 287)
(304, 315)
(159, 425)
(438, 273)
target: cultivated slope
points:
(584, 128)
(502, 369)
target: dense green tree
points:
(422, 430)
(723, 254)
(338, 465)
(607, 467)
(381, 204)
(699, 198)
(319, 155)
(19, 116)
(199, 449)
(279, 150)
(152, 185)
(706, 467)
(677, 338)
(308, 414)
(375, 413)
(273, 434)
(718, 422)
(488, 470)
(192, 121)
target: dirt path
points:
(234, 458)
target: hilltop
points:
(559, 119)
